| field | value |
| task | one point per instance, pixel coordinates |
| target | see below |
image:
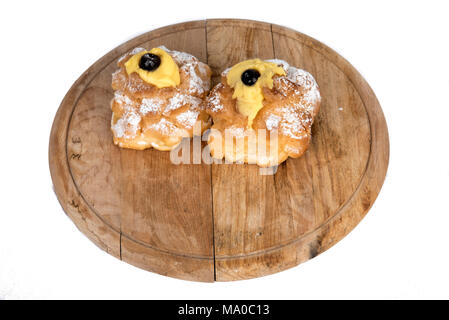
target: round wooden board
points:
(221, 222)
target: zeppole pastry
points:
(262, 112)
(158, 99)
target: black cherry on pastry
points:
(149, 62)
(250, 76)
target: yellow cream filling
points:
(166, 75)
(250, 98)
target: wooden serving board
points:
(221, 222)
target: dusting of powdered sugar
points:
(301, 78)
(187, 63)
(180, 58)
(196, 84)
(133, 52)
(235, 132)
(122, 98)
(203, 71)
(188, 118)
(127, 125)
(164, 127)
(215, 101)
(280, 63)
(292, 123)
(225, 72)
(151, 105)
(116, 73)
(179, 100)
(272, 122)
(305, 80)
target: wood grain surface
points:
(221, 222)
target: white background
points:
(400, 250)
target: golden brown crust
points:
(289, 109)
(145, 116)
